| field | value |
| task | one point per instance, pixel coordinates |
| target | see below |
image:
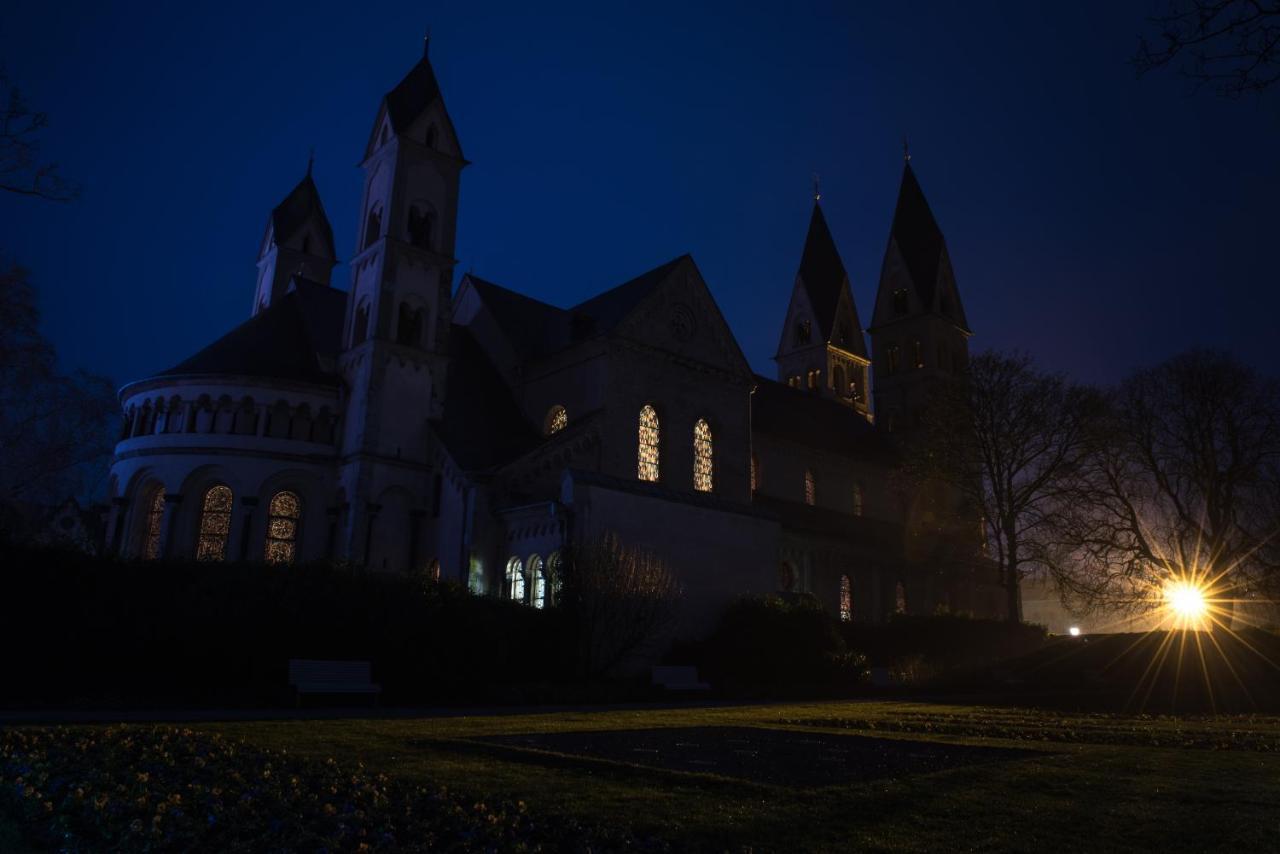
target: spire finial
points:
(817, 188)
(426, 41)
(906, 149)
(311, 160)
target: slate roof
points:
(302, 203)
(417, 91)
(291, 339)
(822, 272)
(482, 426)
(809, 419)
(918, 237)
(537, 329)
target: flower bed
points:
(174, 789)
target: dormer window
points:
(901, 302)
(803, 332)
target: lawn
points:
(839, 776)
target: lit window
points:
(282, 527)
(813, 380)
(155, 518)
(433, 570)
(539, 579)
(857, 499)
(215, 524)
(900, 599)
(647, 456)
(557, 419)
(919, 354)
(555, 575)
(846, 599)
(755, 473)
(515, 579)
(810, 488)
(702, 456)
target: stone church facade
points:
(474, 434)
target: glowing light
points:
(1187, 603)
(1074, 631)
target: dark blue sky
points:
(1097, 221)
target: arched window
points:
(755, 473)
(846, 599)
(282, 527)
(557, 420)
(837, 379)
(515, 580)
(421, 225)
(786, 577)
(900, 599)
(555, 575)
(431, 136)
(360, 326)
(538, 578)
(703, 456)
(814, 376)
(373, 226)
(857, 499)
(810, 488)
(918, 352)
(647, 456)
(409, 326)
(804, 330)
(153, 506)
(433, 570)
(215, 523)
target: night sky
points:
(1098, 221)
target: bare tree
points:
(23, 170)
(1232, 45)
(621, 599)
(1183, 488)
(54, 428)
(1006, 438)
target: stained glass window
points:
(539, 580)
(857, 499)
(282, 527)
(900, 599)
(215, 524)
(846, 599)
(702, 456)
(555, 573)
(648, 454)
(810, 488)
(557, 419)
(155, 517)
(515, 579)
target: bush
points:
(767, 644)
(100, 630)
(917, 649)
(169, 789)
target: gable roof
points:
(822, 272)
(290, 339)
(610, 308)
(300, 206)
(809, 419)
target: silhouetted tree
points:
(1233, 45)
(23, 169)
(621, 599)
(54, 428)
(1007, 438)
(1184, 486)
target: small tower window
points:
(857, 499)
(895, 359)
(215, 524)
(409, 326)
(647, 455)
(813, 380)
(702, 456)
(421, 225)
(373, 226)
(282, 527)
(918, 352)
(810, 488)
(557, 420)
(431, 136)
(803, 332)
(900, 599)
(846, 599)
(901, 302)
(360, 326)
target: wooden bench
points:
(309, 676)
(678, 678)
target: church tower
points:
(298, 242)
(919, 335)
(398, 307)
(821, 348)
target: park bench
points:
(678, 678)
(310, 676)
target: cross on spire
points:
(426, 41)
(817, 188)
(311, 160)
(906, 149)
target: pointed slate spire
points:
(823, 273)
(919, 239)
(300, 207)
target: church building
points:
(474, 433)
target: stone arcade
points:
(473, 434)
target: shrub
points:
(766, 643)
(916, 649)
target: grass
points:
(1088, 782)
(1078, 782)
